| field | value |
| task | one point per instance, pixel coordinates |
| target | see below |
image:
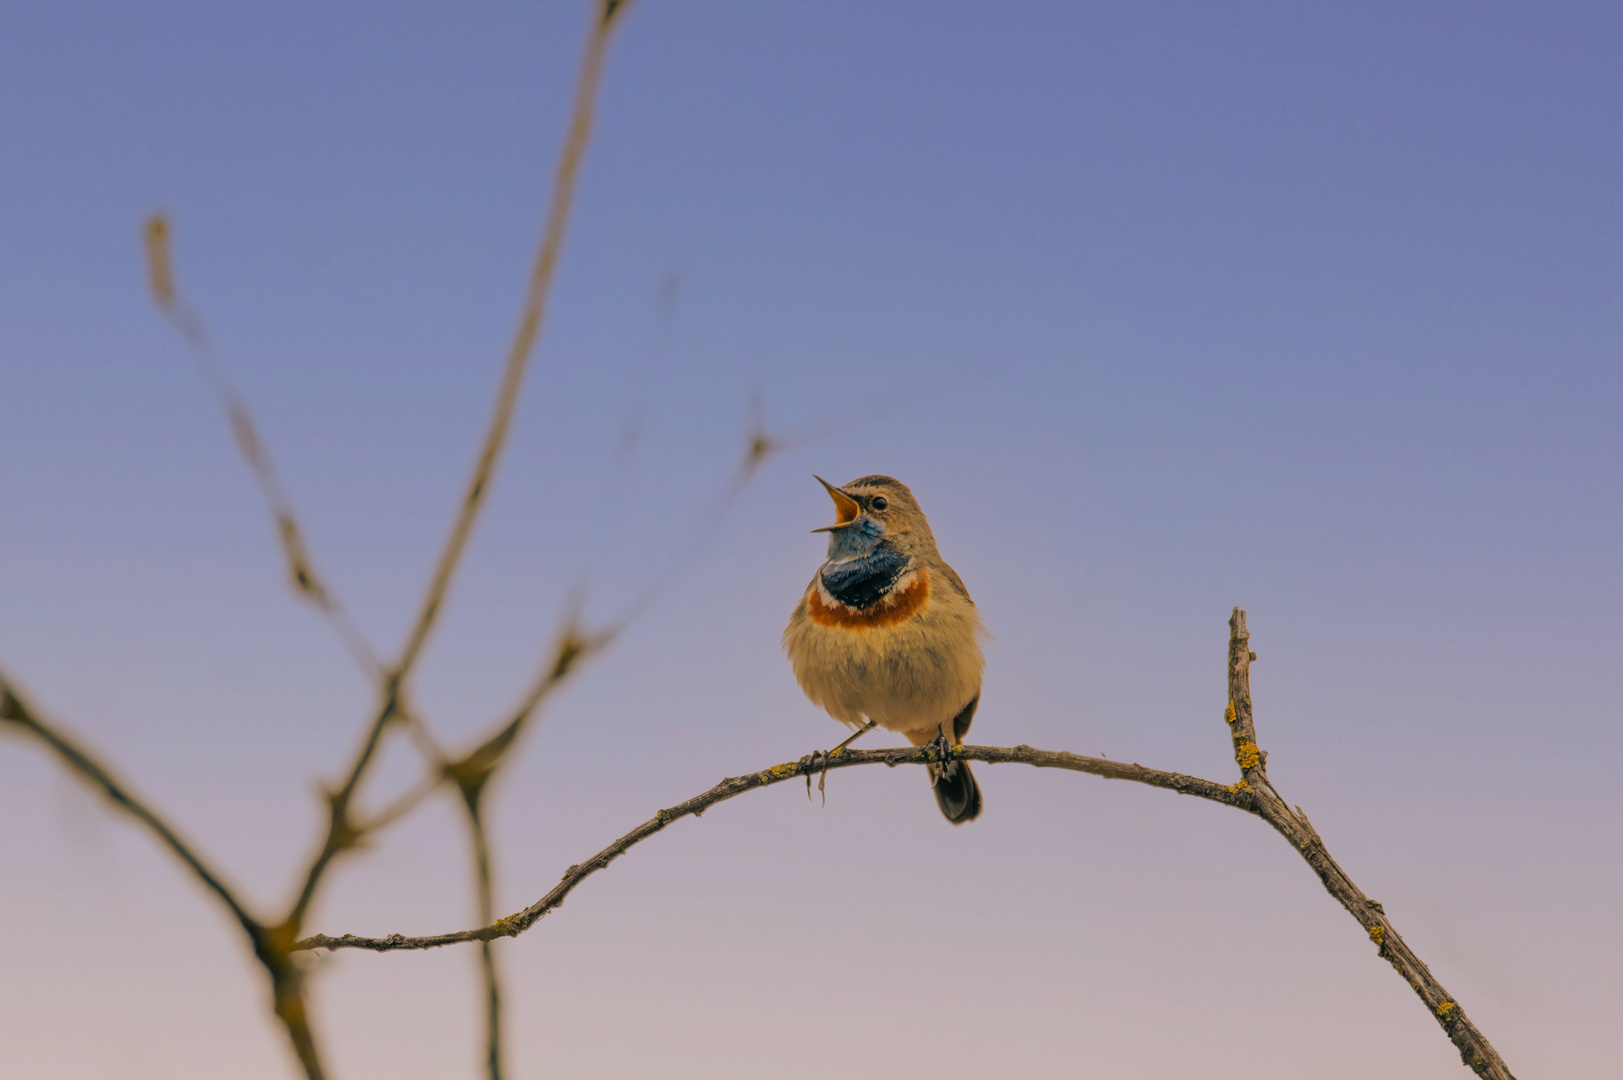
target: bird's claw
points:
(942, 750)
(816, 761)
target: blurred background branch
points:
(470, 774)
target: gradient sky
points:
(1159, 308)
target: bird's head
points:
(875, 510)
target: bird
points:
(887, 635)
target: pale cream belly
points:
(909, 677)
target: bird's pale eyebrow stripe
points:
(898, 607)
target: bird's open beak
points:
(844, 505)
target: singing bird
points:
(886, 633)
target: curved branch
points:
(1475, 1050)
(15, 711)
(733, 786)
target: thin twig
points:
(535, 303)
(15, 710)
(572, 647)
(435, 775)
(404, 803)
(342, 831)
(307, 582)
(733, 786)
(487, 910)
(270, 948)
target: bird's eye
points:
(879, 502)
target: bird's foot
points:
(941, 748)
(816, 762)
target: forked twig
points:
(342, 831)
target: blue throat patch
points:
(864, 581)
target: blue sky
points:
(1159, 309)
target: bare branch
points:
(471, 771)
(432, 778)
(1475, 1050)
(535, 302)
(571, 648)
(809, 766)
(301, 564)
(343, 833)
(1254, 793)
(472, 774)
(270, 947)
(14, 710)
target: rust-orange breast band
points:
(898, 607)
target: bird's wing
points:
(953, 579)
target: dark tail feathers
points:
(956, 791)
